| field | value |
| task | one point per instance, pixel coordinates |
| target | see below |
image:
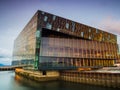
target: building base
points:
(101, 78)
(38, 75)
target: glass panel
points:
(58, 29)
(82, 34)
(74, 49)
(67, 25)
(45, 18)
(48, 26)
(96, 30)
(89, 37)
(73, 26)
(54, 17)
(89, 30)
(43, 12)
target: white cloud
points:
(110, 24)
(5, 52)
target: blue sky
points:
(15, 14)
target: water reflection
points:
(54, 85)
(10, 81)
(57, 85)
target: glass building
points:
(50, 42)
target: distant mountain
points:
(1, 65)
(4, 56)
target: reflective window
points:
(45, 18)
(89, 37)
(73, 26)
(58, 29)
(96, 30)
(54, 17)
(48, 26)
(37, 33)
(82, 34)
(108, 37)
(43, 12)
(67, 25)
(89, 30)
(103, 38)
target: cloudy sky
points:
(15, 14)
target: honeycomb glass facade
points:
(25, 44)
(52, 42)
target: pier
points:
(8, 68)
(97, 77)
(108, 77)
(38, 76)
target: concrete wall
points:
(53, 73)
(38, 75)
(102, 79)
(93, 78)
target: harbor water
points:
(10, 81)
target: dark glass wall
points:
(77, 48)
(65, 50)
